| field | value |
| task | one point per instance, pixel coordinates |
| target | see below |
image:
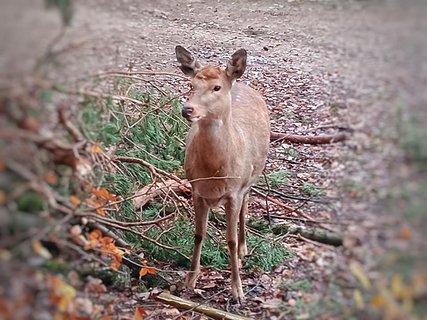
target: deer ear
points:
(189, 64)
(237, 64)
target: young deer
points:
(227, 146)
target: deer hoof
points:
(191, 280)
(238, 296)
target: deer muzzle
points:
(189, 113)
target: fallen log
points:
(316, 234)
(190, 305)
(322, 139)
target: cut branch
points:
(323, 139)
(315, 234)
(189, 305)
(65, 121)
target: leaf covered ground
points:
(96, 214)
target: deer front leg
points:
(232, 210)
(243, 250)
(201, 221)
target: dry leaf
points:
(117, 262)
(356, 270)
(74, 201)
(40, 250)
(61, 293)
(147, 270)
(97, 206)
(2, 197)
(405, 233)
(140, 313)
(358, 298)
(51, 178)
(96, 148)
(95, 285)
(2, 165)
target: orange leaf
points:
(143, 272)
(2, 197)
(97, 206)
(100, 193)
(151, 270)
(405, 233)
(2, 165)
(117, 262)
(147, 270)
(40, 250)
(74, 200)
(51, 178)
(139, 313)
(95, 234)
(93, 243)
(96, 148)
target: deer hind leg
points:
(243, 250)
(232, 210)
(201, 221)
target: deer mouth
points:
(194, 118)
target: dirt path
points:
(318, 63)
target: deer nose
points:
(187, 111)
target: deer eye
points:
(217, 88)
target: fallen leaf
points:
(2, 197)
(358, 298)
(74, 201)
(61, 293)
(95, 285)
(356, 270)
(2, 165)
(97, 206)
(405, 233)
(51, 178)
(210, 285)
(140, 313)
(40, 250)
(96, 148)
(117, 262)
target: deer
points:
(226, 152)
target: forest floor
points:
(324, 67)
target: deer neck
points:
(213, 145)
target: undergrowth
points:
(155, 132)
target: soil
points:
(321, 66)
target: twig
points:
(107, 232)
(328, 126)
(280, 204)
(148, 165)
(266, 196)
(123, 223)
(322, 139)
(189, 305)
(147, 73)
(68, 125)
(311, 221)
(143, 236)
(104, 95)
(84, 253)
(49, 49)
(287, 196)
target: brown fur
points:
(209, 73)
(227, 148)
